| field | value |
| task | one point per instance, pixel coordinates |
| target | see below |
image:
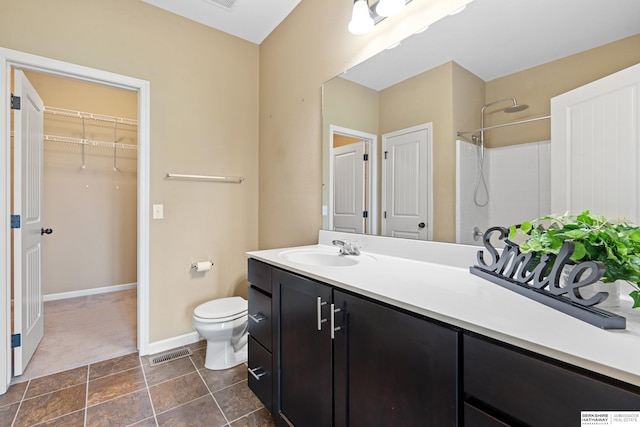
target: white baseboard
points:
(87, 292)
(174, 342)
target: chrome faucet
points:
(347, 247)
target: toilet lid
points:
(221, 307)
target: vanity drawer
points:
(260, 275)
(536, 390)
(260, 317)
(259, 375)
(475, 417)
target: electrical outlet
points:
(158, 211)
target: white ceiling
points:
(252, 20)
(493, 38)
(490, 38)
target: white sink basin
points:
(320, 258)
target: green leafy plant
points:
(614, 244)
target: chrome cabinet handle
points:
(334, 328)
(257, 376)
(319, 310)
(258, 317)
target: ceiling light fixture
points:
(388, 8)
(361, 20)
(458, 10)
(393, 46)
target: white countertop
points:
(446, 291)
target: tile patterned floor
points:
(127, 391)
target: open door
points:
(27, 222)
(349, 188)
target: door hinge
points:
(365, 157)
(15, 221)
(16, 340)
(385, 155)
(15, 102)
(385, 215)
(365, 214)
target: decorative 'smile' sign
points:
(539, 279)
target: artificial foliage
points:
(614, 244)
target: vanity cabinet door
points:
(305, 361)
(392, 368)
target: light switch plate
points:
(158, 211)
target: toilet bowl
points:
(223, 323)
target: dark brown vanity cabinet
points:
(510, 386)
(348, 361)
(324, 356)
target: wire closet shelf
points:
(117, 123)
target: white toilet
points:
(223, 323)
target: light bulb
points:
(361, 21)
(389, 7)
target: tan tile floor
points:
(127, 391)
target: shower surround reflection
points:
(516, 176)
(481, 183)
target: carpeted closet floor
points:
(83, 330)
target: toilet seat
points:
(222, 309)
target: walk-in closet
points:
(89, 217)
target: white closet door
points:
(406, 181)
(349, 189)
(27, 202)
(595, 147)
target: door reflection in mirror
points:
(352, 206)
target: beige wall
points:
(536, 86)
(93, 211)
(204, 120)
(342, 140)
(425, 98)
(310, 47)
(348, 105)
(448, 96)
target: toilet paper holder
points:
(197, 266)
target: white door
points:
(406, 180)
(349, 188)
(27, 239)
(595, 147)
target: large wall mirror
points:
(400, 130)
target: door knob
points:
(46, 231)
(421, 225)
